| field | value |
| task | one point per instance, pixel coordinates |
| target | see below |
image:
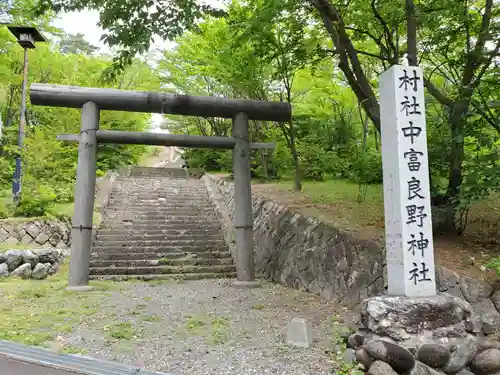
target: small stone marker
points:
(299, 333)
(408, 226)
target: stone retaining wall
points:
(307, 254)
(302, 252)
(55, 233)
(43, 233)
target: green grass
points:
(164, 261)
(194, 323)
(151, 318)
(122, 331)
(63, 209)
(220, 331)
(258, 306)
(336, 202)
(68, 349)
(34, 312)
(5, 247)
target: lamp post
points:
(26, 37)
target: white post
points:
(408, 223)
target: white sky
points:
(84, 22)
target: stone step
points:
(165, 205)
(160, 213)
(158, 237)
(195, 231)
(120, 255)
(182, 276)
(186, 261)
(153, 192)
(167, 219)
(183, 245)
(141, 223)
(160, 270)
(107, 248)
(149, 192)
(163, 226)
(148, 171)
(172, 201)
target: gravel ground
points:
(207, 327)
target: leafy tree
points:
(49, 165)
(76, 44)
(455, 42)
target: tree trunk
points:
(456, 121)
(297, 185)
(411, 33)
(348, 59)
(263, 160)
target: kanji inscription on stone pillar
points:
(407, 205)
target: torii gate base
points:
(92, 100)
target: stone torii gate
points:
(93, 100)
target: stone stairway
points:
(159, 224)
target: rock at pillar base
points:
(299, 333)
(433, 355)
(381, 368)
(486, 362)
(397, 357)
(423, 336)
(401, 318)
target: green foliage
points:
(366, 168)
(340, 366)
(325, 61)
(210, 160)
(37, 202)
(494, 264)
(194, 324)
(49, 166)
(122, 331)
(220, 330)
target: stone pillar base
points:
(423, 336)
(79, 288)
(245, 284)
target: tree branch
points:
(372, 55)
(493, 121)
(487, 63)
(438, 95)
(473, 58)
(387, 32)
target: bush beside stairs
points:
(159, 225)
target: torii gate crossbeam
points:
(93, 100)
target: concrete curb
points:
(68, 362)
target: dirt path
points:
(207, 327)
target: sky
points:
(84, 22)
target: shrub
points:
(494, 264)
(36, 202)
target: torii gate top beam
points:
(143, 101)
